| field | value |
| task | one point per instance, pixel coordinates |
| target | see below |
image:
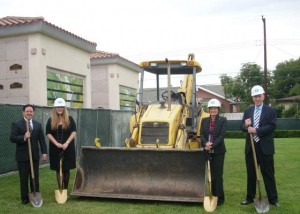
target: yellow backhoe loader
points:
(162, 159)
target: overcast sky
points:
(223, 34)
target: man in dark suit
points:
(260, 121)
(19, 136)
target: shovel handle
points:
(208, 170)
(30, 154)
(209, 178)
(256, 165)
(254, 156)
(60, 170)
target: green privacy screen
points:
(68, 87)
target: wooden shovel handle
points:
(29, 151)
(254, 155)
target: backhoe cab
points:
(169, 121)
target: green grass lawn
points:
(287, 172)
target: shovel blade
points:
(61, 196)
(261, 205)
(36, 199)
(210, 203)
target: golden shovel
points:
(210, 202)
(34, 197)
(261, 204)
(61, 194)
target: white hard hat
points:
(59, 102)
(214, 103)
(257, 90)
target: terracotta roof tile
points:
(113, 58)
(15, 20)
(102, 54)
(9, 21)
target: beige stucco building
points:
(114, 81)
(40, 62)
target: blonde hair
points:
(56, 119)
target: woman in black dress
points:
(61, 131)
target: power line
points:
(218, 48)
(283, 51)
(204, 49)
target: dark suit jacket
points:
(219, 133)
(18, 130)
(267, 125)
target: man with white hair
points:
(259, 120)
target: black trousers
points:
(25, 177)
(266, 165)
(217, 166)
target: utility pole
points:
(265, 81)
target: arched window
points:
(15, 67)
(16, 85)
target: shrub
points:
(277, 134)
(291, 112)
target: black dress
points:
(62, 135)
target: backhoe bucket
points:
(146, 174)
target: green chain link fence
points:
(112, 127)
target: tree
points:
(291, 112)
(280, 109)
(239, 87)
(295, 90)
(232, 87)
(286, 78)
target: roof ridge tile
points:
(19, 20)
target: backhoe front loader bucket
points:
(146, 174)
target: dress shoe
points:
(276, 204)
(246, 202)
(220, 203)
(25, 201)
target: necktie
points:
(30, 126)
(256, 123)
